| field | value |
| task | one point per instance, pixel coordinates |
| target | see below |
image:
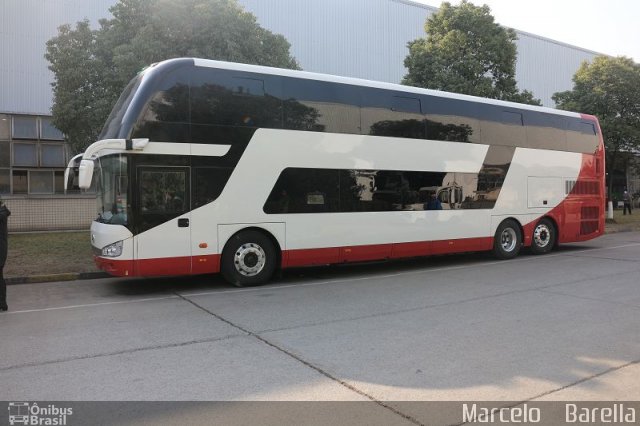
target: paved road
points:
(561, 326)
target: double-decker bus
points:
(206, 166)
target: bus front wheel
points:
(508, 240)
(544, 237)
(248, 259)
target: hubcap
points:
(542, 235)
(508, 239)
(249, 259)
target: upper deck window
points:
(228, 98)
(165, 117)
(321, 106)
(387, 114)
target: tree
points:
(465, 51)
(609, 88)
(92, 67)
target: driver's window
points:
(163, 195)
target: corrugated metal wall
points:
(355, 38)
(368, 39)
(546, 66)
(25, 27)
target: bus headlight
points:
(112, 250)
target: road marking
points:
(89, 305)
(316, 283)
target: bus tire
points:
(249, 259)
(508, 240)
(544, 237)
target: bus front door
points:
(164, 246)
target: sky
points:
(611, 27)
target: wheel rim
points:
(542, 235)
(249, 259)
(508, 239)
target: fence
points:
(50, 213)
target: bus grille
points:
(582, 187)
(590, 219)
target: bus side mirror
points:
(71, 178)
(86, 174)
(71, 173)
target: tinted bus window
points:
(387, 190)
(504, 128)
(229, 98)
(451, 119)
(111, 129)
(300, 190)
(163, 195)
(320, 106)
(165, 117)
(208, 183)
(305, 191)
(545, 131)
(510, 117)
(582, 136)
(385, 113)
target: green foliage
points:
(92, 67)
(466, 52)
(609, 88)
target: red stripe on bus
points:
(166, 266)
(325, 256)
(196, 265)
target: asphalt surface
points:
(564, 326)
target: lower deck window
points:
(306, 190)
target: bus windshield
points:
(113, 124)
(112, 184)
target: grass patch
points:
(621, 222)
(49, 253)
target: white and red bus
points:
(207, 166)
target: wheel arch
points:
(554, 222)
(256, 228)
(499, 250)
(529, 227)
(499, 220)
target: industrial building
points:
(355, 38)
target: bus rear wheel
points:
(544, 237)
(508, 240)
(248, 259)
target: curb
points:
(56, 277)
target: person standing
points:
(4, 216)
(626, 199)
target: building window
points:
(25, 154)
(40, 182)
(20, 182)
(5, 181)
(5, 154)
(33, 143)
(52, 155)
(48, 131)
(25, 128)
(59, 182)
(5, 126)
